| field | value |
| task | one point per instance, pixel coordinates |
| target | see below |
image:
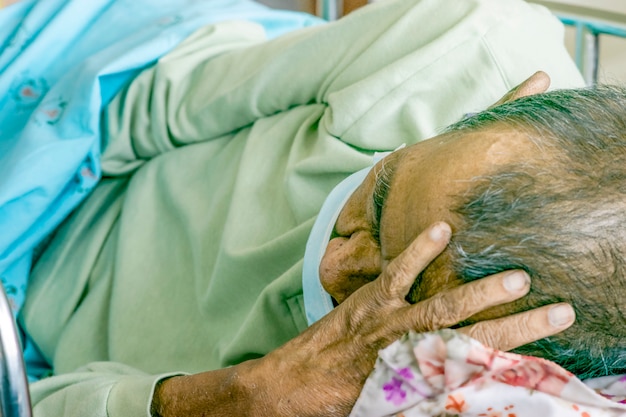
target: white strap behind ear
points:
(317, 302)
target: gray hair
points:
(561, 218)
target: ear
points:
(348, 264)
(536, 84)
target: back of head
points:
(561, 218)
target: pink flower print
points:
(51, 112)
(88, 173)
(491, 413)
(29, 91)
(510, 413)
(536, 374)
(491, 359)
(456, 402)
(431, 353)
(484, 359)
(507, 412)
(406, 373)
(583, 413)
(394, 392)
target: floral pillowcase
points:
(445, 373)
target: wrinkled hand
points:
(536, 84)
(322, 371)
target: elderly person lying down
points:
(543, 192)
(176, 288)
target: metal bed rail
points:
(587, 50)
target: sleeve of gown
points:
(414, 67)
(98, 389)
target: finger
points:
(509, 332)
(398, 277)
(450, 307)
(535, 84)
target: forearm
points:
(232, 391)
(293, 380)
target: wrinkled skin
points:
(328, 364)
(321, 372)
(423, 182)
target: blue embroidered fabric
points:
(61, 62)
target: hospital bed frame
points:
(591, 20)
(14, 393)
(587, 52)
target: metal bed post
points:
(587, 52)
(329, 9)
(14, 393)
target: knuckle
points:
(385, 287)
(397, 278)
(399, 268)
(486, 335)
(518, 330)
(440, 312)
(460, 303)
(385, 330)
(503, 334)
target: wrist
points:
(232, 391)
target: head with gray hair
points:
(563, 220)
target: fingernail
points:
(440, 231)
(561, 315)
(516, 281)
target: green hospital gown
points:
(187, 257)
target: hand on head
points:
(412, 188)
(337, 353)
